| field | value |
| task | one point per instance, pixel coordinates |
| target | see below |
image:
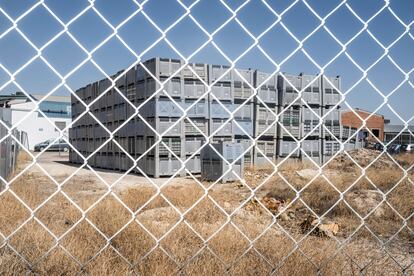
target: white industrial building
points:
(37, 127)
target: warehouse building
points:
(37, 127)
(398, 134)
(375, 124)
(161, 111)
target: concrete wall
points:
(38, 128)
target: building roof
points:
(397, 128)
(357, 109)
(52, 98)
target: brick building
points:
(375, 123)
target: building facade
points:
(375, 124)
(38, 128)
(398, 134)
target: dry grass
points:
(228, 250)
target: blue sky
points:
(64, 55)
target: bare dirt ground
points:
(161, 228)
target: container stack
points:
(265, 118)
(184, 91)
(173, 104)
(300, 116)
(231, 90)
(331, 132)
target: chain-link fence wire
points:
(247, 251)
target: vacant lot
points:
(263, 225)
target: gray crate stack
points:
(332, 132)
(164, 112)
(231, 89)
(184, 139)
(265, 109)
(300, 116)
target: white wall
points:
(38, 128)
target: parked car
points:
(59, 145)
(409, 148)
(394, 149)
(378, 146)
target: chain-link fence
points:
(181, 167)
(9, 148)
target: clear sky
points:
(64, 55)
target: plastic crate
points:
(173, 87)
(331, 94)
(218, 72)
(261, 79)
(163, 107)
(194, 164)
(268, 95)
(313, 91)
(245, 111)
(197, 110)
(288, 87)
(345, 132)
(246, 126)
(218, 111)
(174, 144)
(312, 147)
(241, 90)
(226, 128)
(202, 125)
(213, 167)
(310, 121)
(222, 91)
(284, 148)
(194, 89)
(330, 147)
(193, 144)
(199, 68)
(160, 125)
(268, 151)
(290, 118)
(160, 67)
(247, 74)
(161, 166)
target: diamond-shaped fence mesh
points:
(185, 163)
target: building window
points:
(376, 132)
(60, 126)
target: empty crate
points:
(159, 67)
(193, 144)
(330, 147)
(288, 86)
(194, 89)
(267, 152)
(312, 93)
(312, 148)
(243, 127)
(221, 109)
(331, 87)
(242, 90)
(196, 126)
(222, 127)
(221, 91)
(162, 108)
(196, 108)
(213, 167)
(288, 148)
